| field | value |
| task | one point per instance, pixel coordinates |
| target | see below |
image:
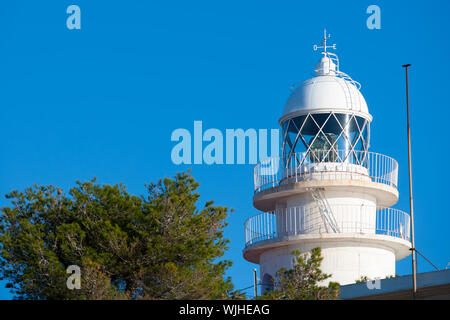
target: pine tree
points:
(303, 281)
(157, 246)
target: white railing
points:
(325, 165)
(307, 220)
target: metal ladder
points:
(325, 210)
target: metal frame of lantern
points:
(360, 129)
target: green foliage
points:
(303, 281)
(362, 279)
(157, 246)
(367, 279)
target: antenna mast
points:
(413, 248)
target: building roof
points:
(430, 285)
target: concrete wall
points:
(352, 212)
(345, 261)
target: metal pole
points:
(255, 282)
(413, 248)
(427, 260)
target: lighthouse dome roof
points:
(330, 90)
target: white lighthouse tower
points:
(327, 189)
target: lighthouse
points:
(327, 189)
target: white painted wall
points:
(345, 261)
(353, 212)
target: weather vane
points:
(324, 43)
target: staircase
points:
(325, 211)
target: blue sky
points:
(103, 101)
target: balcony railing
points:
(307, 220)
(325, 165)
